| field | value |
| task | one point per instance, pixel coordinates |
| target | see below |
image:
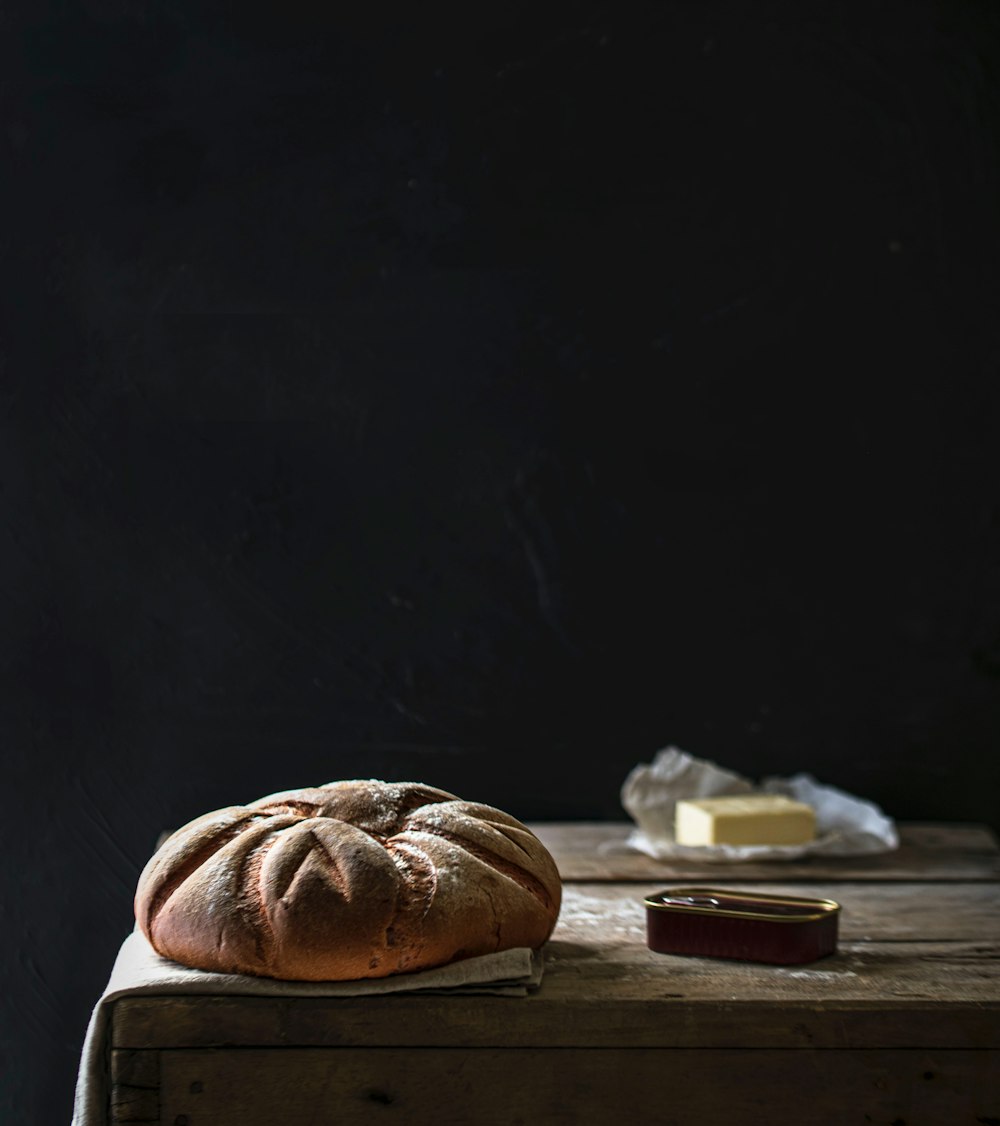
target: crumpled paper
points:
(845, 825)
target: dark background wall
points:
(487, 400)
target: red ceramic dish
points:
(743, 925)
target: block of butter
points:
(744, 819)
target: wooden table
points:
(901, 1026)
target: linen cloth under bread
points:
(138, 969)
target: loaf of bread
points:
(354, 879)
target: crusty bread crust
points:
(354, 879)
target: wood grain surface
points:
(598, 851)
(910, 953)
(347, 1086)
(901, 1024)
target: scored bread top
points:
(353, 879)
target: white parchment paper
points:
(845, 825)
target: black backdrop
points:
(488, 399)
